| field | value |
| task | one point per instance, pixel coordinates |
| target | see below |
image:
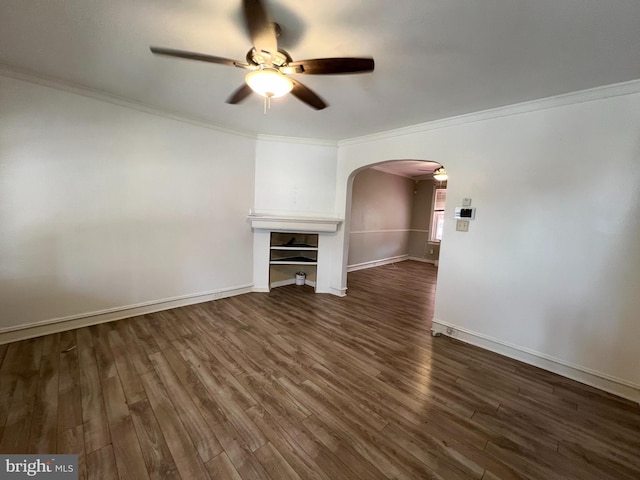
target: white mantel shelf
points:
(281, 223)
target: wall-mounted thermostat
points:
(465, 213)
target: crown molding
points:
(298, 140)
(581, 96)
(31, 77)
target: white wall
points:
(295, 178)
(103, 206)
(551, 265)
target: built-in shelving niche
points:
(292, 252)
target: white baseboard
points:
(602, 381)
(55, 325)
(423, 260)
(376, 263)
(338, 292)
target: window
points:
(437, 222)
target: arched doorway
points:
(389, 214)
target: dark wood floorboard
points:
(294, 385)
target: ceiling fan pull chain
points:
(267, 103)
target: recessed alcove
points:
(284, 245)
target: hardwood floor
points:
(292, 385)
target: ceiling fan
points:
(269, 66)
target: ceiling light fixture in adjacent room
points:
(440, 174)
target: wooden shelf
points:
(293, 262)
(296, 258)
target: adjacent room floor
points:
(293, 385)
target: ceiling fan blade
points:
(240, 94)
(307, 95)
(261, 29)
(328, 66)
(201, 57)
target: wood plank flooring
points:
(293, 385)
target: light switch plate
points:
(462, 225)
(466, 202)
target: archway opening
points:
(394, 212)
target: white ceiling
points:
(415, 169)
(434, 58)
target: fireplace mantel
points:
(285, 223)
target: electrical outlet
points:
(452, 332)
(462, 225)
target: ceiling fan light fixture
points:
(269, 82)
(440, 174)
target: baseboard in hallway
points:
(424, 260)
(376, 263)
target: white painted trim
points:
(260, 289)
(54, 325)
(597, 93)
(377, 263)
(602, 381)
(38, 79)
(279, 223)
(338, 292)
(423, 260)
